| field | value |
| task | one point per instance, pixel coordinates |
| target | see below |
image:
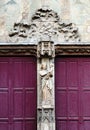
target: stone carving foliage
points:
(45, 25)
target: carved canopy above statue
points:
(45, 25)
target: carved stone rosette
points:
(45, 89)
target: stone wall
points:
(75, 11)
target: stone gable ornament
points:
(45, 25)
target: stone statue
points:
(47, 84)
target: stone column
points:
(46, 86)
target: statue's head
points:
(43, 66)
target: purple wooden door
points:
(18, 93)
(72, 93)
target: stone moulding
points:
(31, 50)
(18, 50)
(73, 50)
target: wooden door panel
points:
(4, 95)
(18, 125)
(18, 103)
(4, 101)
(86, 104)
(72, 104)
(3, 74)
(72, 93)
(61, 104)
(72, 74)
(18, 74)
(30, 96)
(4, 125)
(18, 93)
(85, 89)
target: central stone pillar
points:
(46, 86)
